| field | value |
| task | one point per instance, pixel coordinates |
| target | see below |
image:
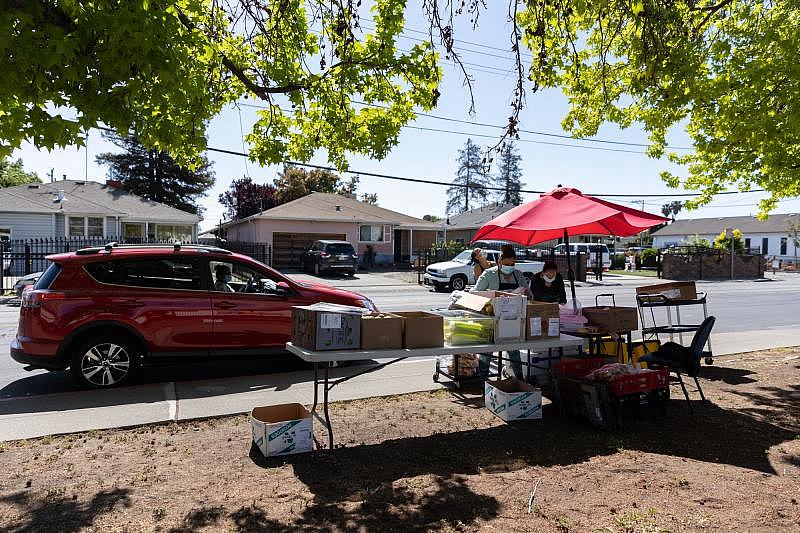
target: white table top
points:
(313, 356)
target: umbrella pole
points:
(570, 272)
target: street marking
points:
(171, 394)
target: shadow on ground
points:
(374, 474)
(61, 513)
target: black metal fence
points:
(581, 264)
(23, 257)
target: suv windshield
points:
(340, 249)
(463, 257)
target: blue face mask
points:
(507, 269)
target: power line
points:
(485, 125)
(449, 184)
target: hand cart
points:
(652, 302)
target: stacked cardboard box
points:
(326, 327)
(507, 308)
(677, 290)
(612, 319)
(467, 365)
(421, 329)
(541, 320)
(381, 331)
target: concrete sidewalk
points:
(37, 416)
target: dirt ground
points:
(437, 461)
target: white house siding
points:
(773, 241)
(60, 225)
(28, 225)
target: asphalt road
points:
(740, 306)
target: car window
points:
(48, 277)
(155, 273)
(340, 249)
(230, 276)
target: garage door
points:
(288, 247)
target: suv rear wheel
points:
(103, 361)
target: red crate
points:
(577, 368)
(638, 383)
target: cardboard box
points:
(678, 290)
(326, 327)
(508, 330)
(512, 399)
(612, 319)
(541, 320)
(381, 331)
(282, 429)
(505, 305)
(421, 329)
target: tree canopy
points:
(469, 188)
(726, 70)
(245, 197)
(156, 176)
(13, 173)
(509, 175)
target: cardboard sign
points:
(330, 321)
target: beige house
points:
(292, 227)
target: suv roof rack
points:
(177, 246)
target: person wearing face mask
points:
(223, 276)
(503, 277)
(548, 285)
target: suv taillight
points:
(35, 298)
(324, 254)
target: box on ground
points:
(508, 330)
(612, 319)
(677, 290)
(282, 429)
(500, 304)
(325, 326)
(541, 320)
(381, 331)
(512, 399)
(421, 329)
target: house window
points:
(764, 245)
(168, 232)
(371, 234)
(76, 227)
(94, 226)
(133, 231)
(747, 245)
(784, 242)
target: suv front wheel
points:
(101, 361)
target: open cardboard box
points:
(283, 429)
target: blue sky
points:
(427, 154)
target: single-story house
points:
(292, 227)
(462, 227)
(770, 237)
(69, 208)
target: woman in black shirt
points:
(548, 285)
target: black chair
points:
(680, 359)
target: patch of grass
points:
(637, 522)
(445, 526)
(158, 514)
(683, 482)
(562, 525)
(642, 273)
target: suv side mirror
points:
(283, 288)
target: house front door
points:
(398, 246)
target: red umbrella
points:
(563, 212)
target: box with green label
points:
(325, 326)
(512, 399)
(283, 429)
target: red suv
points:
(105, 311)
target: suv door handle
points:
(225, 305)
(131, 303)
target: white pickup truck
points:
(456, 274)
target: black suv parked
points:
(330, 255)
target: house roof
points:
(476, 218)
(713, 226)
(326, 207)
(88, 197)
